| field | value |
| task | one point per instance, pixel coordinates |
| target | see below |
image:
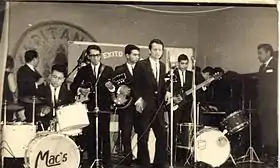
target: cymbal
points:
(214, 112)
(14, 107)
(29, 99)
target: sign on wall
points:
(50, 39)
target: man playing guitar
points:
(127, 116)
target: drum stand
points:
(97, 161)
(251, 151)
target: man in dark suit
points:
(28, 80)
(55, 93)
(267, 98)
(95, 75)
(128, 116)
(150, 92)
(183, 82)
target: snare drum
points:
(235, 122)
(16, 138)
(52, 150)
(72, 117)
(212, 147)
(185, 134)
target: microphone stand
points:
(171, 118)
(97, 161)
(194, 110)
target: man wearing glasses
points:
(90, 80)
(55, 93)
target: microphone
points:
(82, 58)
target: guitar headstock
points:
(217, 76)
(119, 79)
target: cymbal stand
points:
(97, 161)
(251, 151)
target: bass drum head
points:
(212, 147)
(52, 150)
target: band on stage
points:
(139, 93)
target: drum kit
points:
(44, 148)
(213, 145)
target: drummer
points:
(15, 112)
(56, 94)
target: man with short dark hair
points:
(128, 116)
(89, 76)
(150, 92)
(267, 99)
(29, 79)
(55, 93)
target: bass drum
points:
(52, 150)
(212, 147)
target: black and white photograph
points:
(139, 84)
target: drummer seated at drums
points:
(55, 93)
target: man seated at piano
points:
(55, 93)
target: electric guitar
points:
(122, 95)
(179, 99)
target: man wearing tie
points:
(267, 99)
(128, 116)
(95, 75)
(55, 93)
(150, 91)
(29, 79)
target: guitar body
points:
(121, 93)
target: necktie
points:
(183, 77)
(157, 75)
(262, 67)
(54, 98)
(132, 69)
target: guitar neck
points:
(188, 92)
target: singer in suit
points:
(267, 98)
(55, 93)
(96, 74)
(150, 90)
(128, 116)
(28, 80)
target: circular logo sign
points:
(50, 40)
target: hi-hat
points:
(13, 107)
(31, 99)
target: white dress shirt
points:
(56, 93)
(130, 67)
(182, 75)
(95, 69)
(155, 67)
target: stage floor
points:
(269, 163)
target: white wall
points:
(229, 39)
